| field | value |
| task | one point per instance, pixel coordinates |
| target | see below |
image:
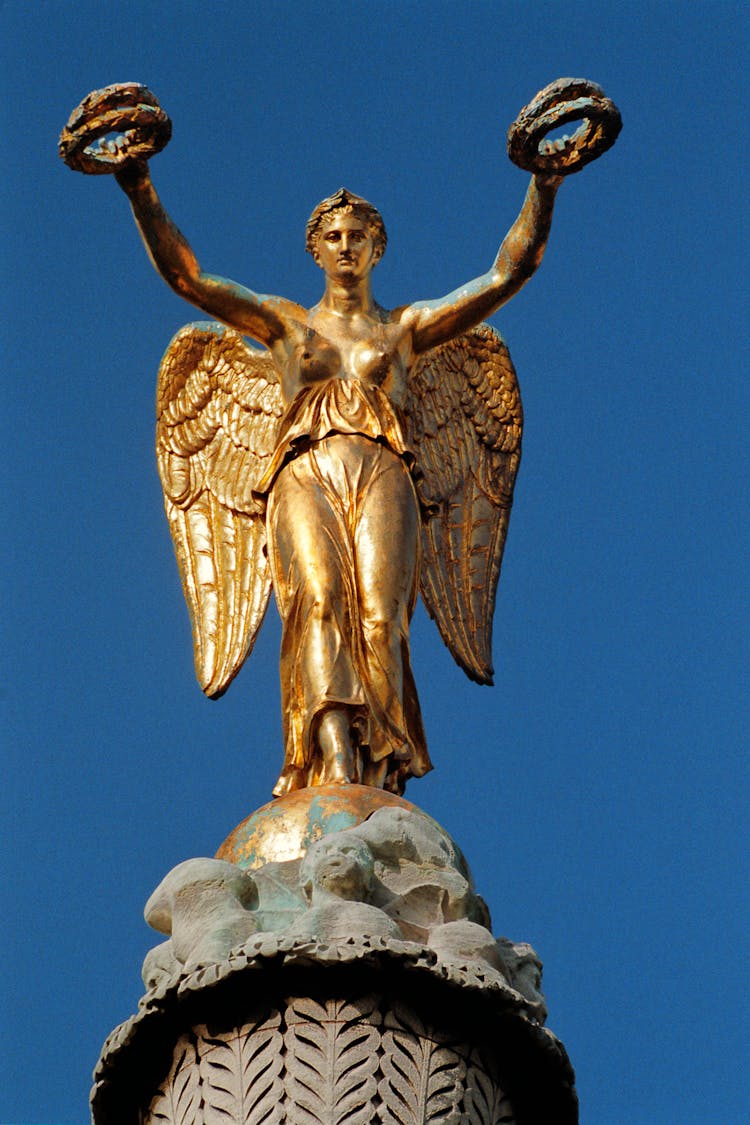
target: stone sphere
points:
(285, 828)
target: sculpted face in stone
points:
(524, 970)
(340, 867)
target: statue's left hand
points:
(545, 180)
(114, 130)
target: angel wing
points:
(218, 406)
(465, 421)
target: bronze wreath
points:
(126, 108)
(567, 99)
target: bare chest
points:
(370, 351)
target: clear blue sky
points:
(599, 789)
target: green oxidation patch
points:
(323, 820)
(285, 828)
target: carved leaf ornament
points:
(335, 1059)
(240, 1076)
(485, 1101)
(420, 1076)
(179, 1099)
(328, 1062)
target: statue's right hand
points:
(132, 175)
(113, 129)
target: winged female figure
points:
(361, 455)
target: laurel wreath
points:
(113, 126)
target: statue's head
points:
(344, 202)
(340, 864)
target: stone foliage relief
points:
(352, 1064)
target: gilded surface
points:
(284, 829)
(363, 455)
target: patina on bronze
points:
(285, 828)
(563, 101)
(364, 455)
(112, 126)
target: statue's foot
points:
(339, 768)
(336, 779)
(376, 774)
(337, 752)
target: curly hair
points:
(346, 203)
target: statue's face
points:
(340, 864)
(345, 249)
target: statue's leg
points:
(311, 562)
(386, 549)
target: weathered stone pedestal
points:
(368, 988)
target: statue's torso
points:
(371, 350)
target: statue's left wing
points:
(465, 421)
(218, 408)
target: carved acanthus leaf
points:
(422, 1079)
(484, 1101)
(335, 1050)
(178, 1100)
(240, 1073)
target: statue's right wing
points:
(218, 407)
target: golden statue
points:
(363, 455)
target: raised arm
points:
(434, 322)
(250, 313)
